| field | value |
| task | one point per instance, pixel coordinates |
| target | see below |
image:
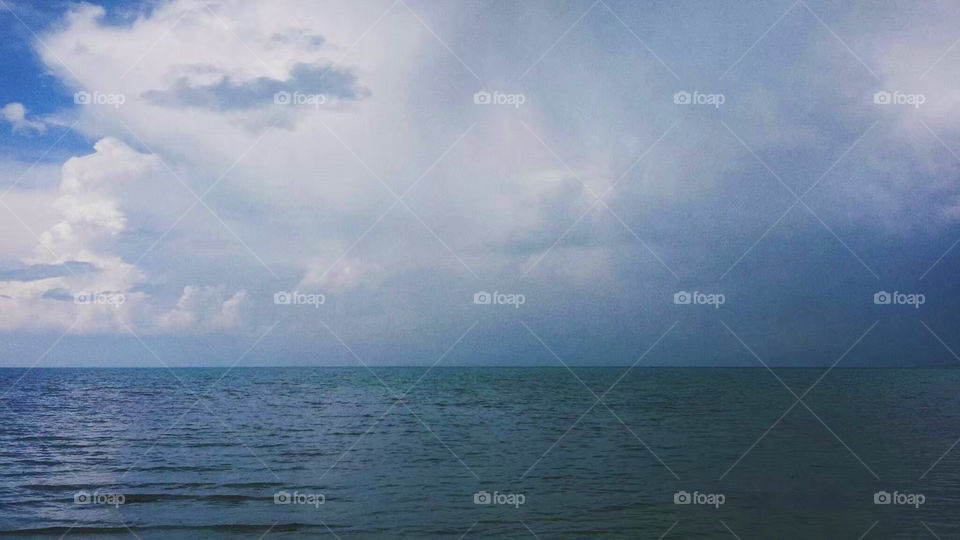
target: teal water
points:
(197, 456)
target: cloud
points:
(203, 309)
(344, 275)
(497, 189)
(77, 257)
(15, 114)
(45, 271)
(305, 195)
(227, 94)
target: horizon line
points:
(480, 366)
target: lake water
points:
(332, 452)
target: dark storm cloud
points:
(230, 95)
(44, 271)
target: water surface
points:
(195, 455)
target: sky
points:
(666, 183)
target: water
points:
(197, 456)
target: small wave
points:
(253, 485)
(169, 468)
(132, 498)
(57, 487)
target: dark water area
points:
(332, 452)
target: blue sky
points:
(169, 168)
